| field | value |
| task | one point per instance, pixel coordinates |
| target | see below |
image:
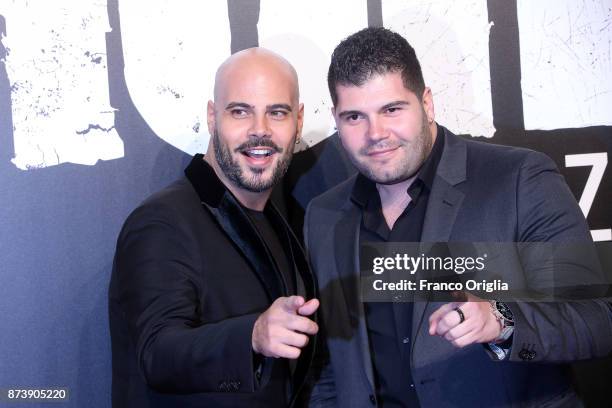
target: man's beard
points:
(421, 146)
(255, 183)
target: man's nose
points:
(260, 126)
(376, 129)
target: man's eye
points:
(393, 110)
(239, 113)
(278, 114)
(352, 118)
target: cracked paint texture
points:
(56, 64)
(306, 33)
(171, 54)
(451, 40)
(566, 63)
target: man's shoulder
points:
(485, 154)
(176, 195)
(171, 203)
(336, 197)
(484, 146)
(179, 192)
(480, 146)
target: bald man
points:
(211, 301)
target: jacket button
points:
(372, 399)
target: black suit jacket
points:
(191, 275)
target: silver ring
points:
(461, 315)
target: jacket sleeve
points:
(157, 263)
(320, 386)
(564, 330)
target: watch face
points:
(505, 311)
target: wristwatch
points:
(504, 316)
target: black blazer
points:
(191, 275)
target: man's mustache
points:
(253, 143)
(376, 146)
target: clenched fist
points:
(465, 323)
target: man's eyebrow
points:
(349, 113)
(243, 105)
(277, 106)
(394, 104)
(272, 107)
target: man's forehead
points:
(257, 90)
(377, 89)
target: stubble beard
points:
(421, 146)
(236, 175)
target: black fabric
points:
(191, 275)
(389, 325)
(277, 250)
(283, 261)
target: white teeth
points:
(259, 152)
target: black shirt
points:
(390, 324)
(286, 274)
(283, 260)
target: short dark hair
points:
(371, 51)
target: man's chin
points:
(256, 179)
(386, 178)
(262, 178)
(259, 171)
(257, 185)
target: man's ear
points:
(333, 112)
(428, 105)
(336, 119)
(210, 117)
(300, 120)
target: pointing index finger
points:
(309, 307)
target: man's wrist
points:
(254, 336)
(505, 318)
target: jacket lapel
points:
(443, 206)
(305, 283)
(346, 256)
(239, 228)
(305, 286)
(233, 220)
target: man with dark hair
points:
(380, 52)
(418, 182)
(208, 294)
